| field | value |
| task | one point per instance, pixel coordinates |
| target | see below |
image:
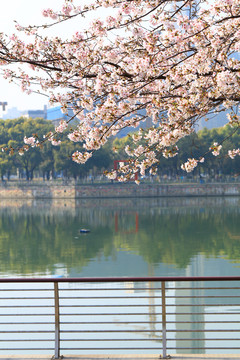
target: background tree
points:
(99, 162)
(47, 166)
(50, 160)
(30, 160)
(12, 133)
(63, 162)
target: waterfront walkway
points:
(123, 357)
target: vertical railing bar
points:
(164, 335)
(57, 325)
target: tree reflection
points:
(34, 237)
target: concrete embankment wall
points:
(117, 191)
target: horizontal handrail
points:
(120, 279)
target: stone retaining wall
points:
(118, 191)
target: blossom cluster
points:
(30, 141)
(233, 153)
(169, 153)
(80, 157)
(61, 127)
(147, 67)
(52, 138)
(233, 119)
(189, 165)
(215, 149)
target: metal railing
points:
(133, 314)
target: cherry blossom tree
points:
(173, 62)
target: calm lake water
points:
(128, 237)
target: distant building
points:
(3, 104)
(55, 114)
(12, 113)
(36, 113)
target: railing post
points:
(164, 326)
(57, 322)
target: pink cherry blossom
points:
(30, 141)
(215, 148)
(146, 63)
(61, 127)
(233, 153)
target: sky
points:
(26, 12)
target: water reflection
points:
(129, 237)
(181, 236)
